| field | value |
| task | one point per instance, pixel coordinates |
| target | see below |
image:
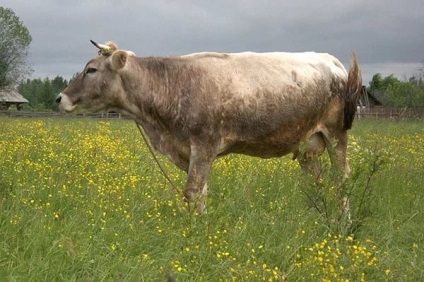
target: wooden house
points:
(367, 100)
(11, 97)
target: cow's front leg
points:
(195, 191)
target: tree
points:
(392, 92)
(375, 83)
(14, 46)
(42, 93)
(29, 90)
(46, 95)
(58, 84)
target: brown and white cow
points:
(201, 106)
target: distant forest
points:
(389, 90)
(41, 93)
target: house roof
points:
(367, 99)
(11, 96)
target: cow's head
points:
(98, 87)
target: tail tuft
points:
(353, 92)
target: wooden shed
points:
(367, 100)
(11, 97)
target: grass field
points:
(82, 200)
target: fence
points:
(26, 114)
(362, 113)
(390, 113)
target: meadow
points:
(82, 200)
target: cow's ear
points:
(119, 58)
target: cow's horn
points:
(103, 49)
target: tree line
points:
(41, 93)
(392, 92)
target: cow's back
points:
(250, 72)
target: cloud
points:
(385, 33)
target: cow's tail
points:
(353, 91)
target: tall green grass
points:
(82, 200)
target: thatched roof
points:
(11, 96)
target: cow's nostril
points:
(58, 99)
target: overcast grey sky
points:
(388, 35)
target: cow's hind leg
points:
(195, 191)
(340, 169)
(310, 163)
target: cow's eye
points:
(91, 70)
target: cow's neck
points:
(154, 93)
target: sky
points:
(387, 35)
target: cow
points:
(198, 107)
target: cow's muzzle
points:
(65, 103)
